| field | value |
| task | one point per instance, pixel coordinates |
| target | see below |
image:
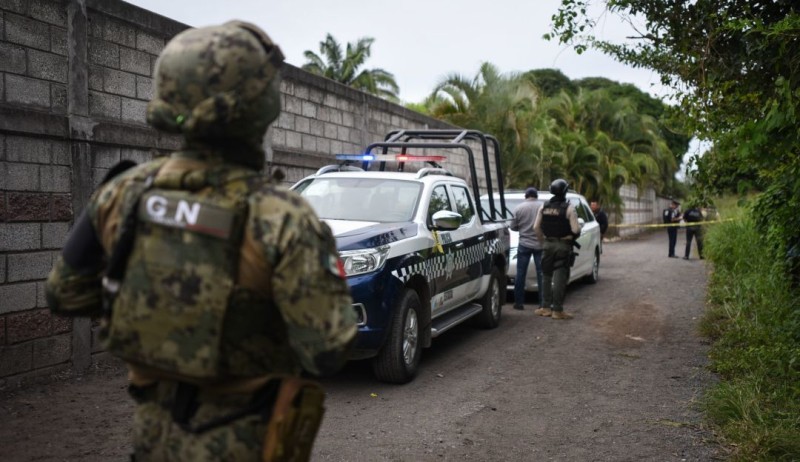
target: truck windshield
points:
(362, 199)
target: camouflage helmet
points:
(217, 82)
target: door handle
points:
(459, 245)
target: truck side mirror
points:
(445, 220)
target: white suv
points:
(587, 262)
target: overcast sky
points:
(419, 41)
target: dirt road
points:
(617, 383)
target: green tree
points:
(502, 105)
(346, 67)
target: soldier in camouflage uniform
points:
(227, 280)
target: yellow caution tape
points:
(437, 245)
(668, 225)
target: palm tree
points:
(344, 68)
(503, 105)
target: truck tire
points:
(594, 275)
(492, 303)
(398, 360)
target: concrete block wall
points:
(75, 78)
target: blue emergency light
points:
(389, 158)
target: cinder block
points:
(15, 359)
(309, 143)
(103, 53)
(119, 83)
(144, 88)
(317, 127)
(294, 140)
(55, 178)
(324, 145)
(27, 32)
(60, 324)
(301, 92)
(52, 350)
(309, 109)
(134, 61)
(335, 116)
(58, 98)
(62, 207)
(329, 100)
(348, 119)
(26, 149)
(49, 12)
(95, 78)
(316, 96)
(278, 136)
(29, 266)
(104, 105)
(27, 325)
(342, 133)
(17, 6)
(60, 152)
(17, 297)
(41, 295)
(58, 40)
(134, 110)
(292, 105)
(302, 124)
(286, 121)
(2, 331)
(47, 66)
(22, 177)
(54, 235)
(12, 58)
(23, 90)
(27, 207)
(120, 33)
(149, 43)
(2, 273)
(104, 157)
(331, 131)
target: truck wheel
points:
(398, 360)
(492, 303)
(594, 276)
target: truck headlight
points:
(364, 260)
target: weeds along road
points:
(620, 382)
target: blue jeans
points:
(523, 260)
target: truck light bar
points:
(389, 158)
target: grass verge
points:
(753, 320)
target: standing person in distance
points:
(529, 245)
(557, 226)
(600, 216)
(219, 287)
(692, 216)
(672, 216)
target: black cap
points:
(531, 192)
(674, 201)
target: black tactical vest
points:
(554, 219)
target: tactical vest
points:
(693, 216)
(667, 215)
(554, 219)
(178, 309)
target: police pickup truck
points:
(420, 253)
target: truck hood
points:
(353, 235)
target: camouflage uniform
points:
(231, 279)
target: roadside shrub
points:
(753, 318)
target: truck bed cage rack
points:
(452, 139)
